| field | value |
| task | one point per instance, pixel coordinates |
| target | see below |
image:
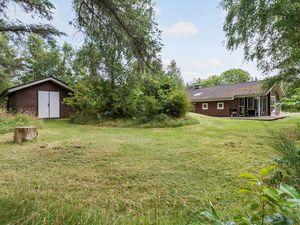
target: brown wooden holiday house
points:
(243, 99)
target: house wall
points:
(213, 110)
(26, 100)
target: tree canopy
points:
(130, 23)
(231, 76)
(42, 58)
(9, 63)
(269, 33)
(174, 71)
(40, 8)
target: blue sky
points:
(191, 33)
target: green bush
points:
(145, 99)
(162, 95)
(176, 105)
(291, 104)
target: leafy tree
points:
(291, 103)
(160, 95)
(212, 80)
(269, 33)
(67, 59)
(174, 71)
(9, 63)
(40, 8)
(111, 83)
(233, 76)
(121, 47)
(131, 23)
(43, 59)
(196, 82)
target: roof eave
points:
(20, 87)
(212, 100)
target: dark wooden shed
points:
(43, 98)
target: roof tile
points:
(225, 91)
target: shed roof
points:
(227, 92)
(27, 85)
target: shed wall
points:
(26, 100)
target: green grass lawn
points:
(75, 174)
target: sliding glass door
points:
(263, 106)
(242, 106)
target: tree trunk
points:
(25, 134)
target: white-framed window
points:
(205, 106)
(220, 105)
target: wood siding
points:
(213, 110)
(26, 100)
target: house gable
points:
(33, 83)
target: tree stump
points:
(22, 134)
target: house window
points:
(220, 105)
(205, 106)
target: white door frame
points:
(43, 104)
(54, 106)
(48, 104)
(264, 105)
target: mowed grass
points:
(75, 174)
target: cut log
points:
(22, 134)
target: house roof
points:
(22, 86)
(227, 92)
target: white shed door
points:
(43, 104)
(48, 104)
(54, 104)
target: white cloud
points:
(182, 29)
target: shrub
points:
(162, 95)
(152, 95)
(176, 105)
(292, 103)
